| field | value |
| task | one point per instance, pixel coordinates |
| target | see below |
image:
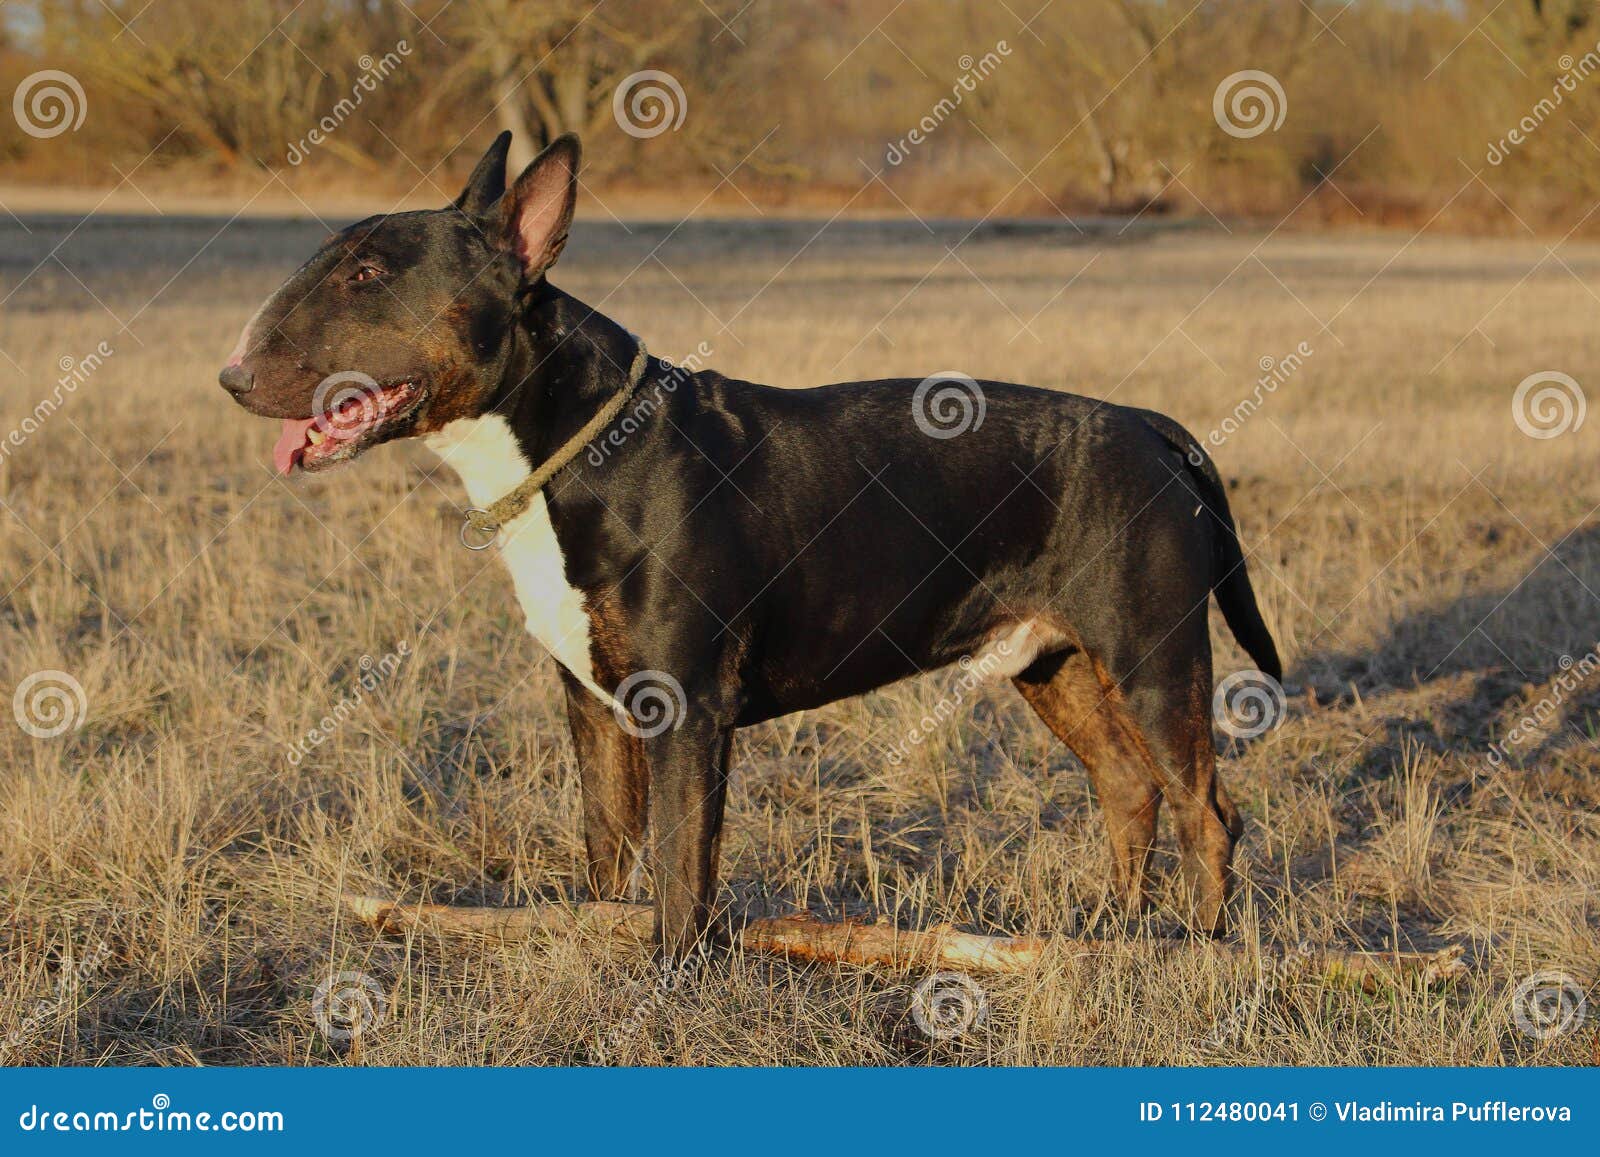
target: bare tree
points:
(241, 89)
(553, 67)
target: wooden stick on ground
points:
(804, 937)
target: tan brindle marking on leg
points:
(1078, 702)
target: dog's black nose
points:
(236, 379)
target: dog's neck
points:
(543, 403)
(566, 362)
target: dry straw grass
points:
(1424, 565)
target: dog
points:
(741, 551)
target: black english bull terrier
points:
(745, 551)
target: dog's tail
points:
(1230, 580)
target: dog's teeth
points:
(315, 436)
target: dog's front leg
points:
(688, 789)
(616, 780)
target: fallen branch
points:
(805, 937)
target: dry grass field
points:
(169, 874)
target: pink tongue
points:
(290, 443)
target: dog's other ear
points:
(488, 180)
(536, 212)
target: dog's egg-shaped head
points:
(404, 322)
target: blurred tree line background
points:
(1394, 109)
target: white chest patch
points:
(485, 453)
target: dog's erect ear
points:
(488, 180)
(536, 212)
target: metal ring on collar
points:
(484, 525)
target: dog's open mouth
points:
(361, 418)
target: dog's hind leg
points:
(616, 782)
(1145, 743)
(1078, 702)
(1168, 693)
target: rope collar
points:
(515, 503)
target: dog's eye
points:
(366, 273)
